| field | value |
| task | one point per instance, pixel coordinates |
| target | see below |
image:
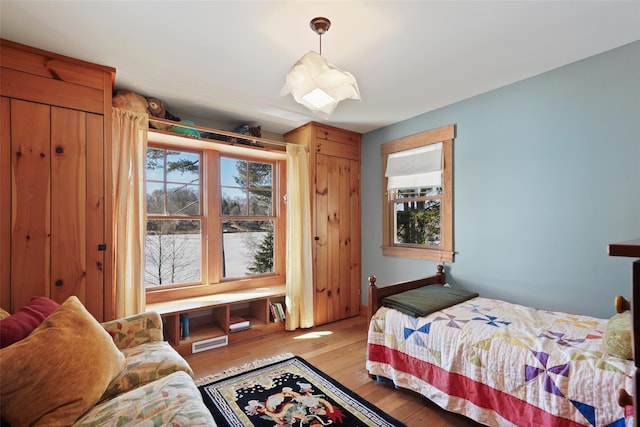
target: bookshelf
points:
(209, 316)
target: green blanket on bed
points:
(428, 299)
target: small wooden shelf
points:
(209, 316)
(630, 248)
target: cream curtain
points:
(299, 288)
(129, 151)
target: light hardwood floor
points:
(338, 349)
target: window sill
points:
(178, 293)
(216, 300)
(417, 253)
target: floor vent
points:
(204, 345)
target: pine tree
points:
(263, 255)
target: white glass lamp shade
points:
(319, 85)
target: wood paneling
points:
(37, 62)
(68, 203)
(355, 239)
(335, 203)
(30, 201)
(95, 216)
(19, 85)
(55, 160)
(322, 278)
(5, 202)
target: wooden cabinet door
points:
(337, 259)
(30, 201)
(57, 205)
(5, 203)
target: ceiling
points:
(223, 63)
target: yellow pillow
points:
(617, 336)
(4, 314)
(59, 371)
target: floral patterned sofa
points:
(153, 385)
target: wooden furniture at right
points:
(55, 151)
(631, 248)
(334, 163)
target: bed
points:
(498, 363)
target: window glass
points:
(247, 248)
(417, 218)
(173, 244)
(246, 187)
(247, 192)
(172, 252)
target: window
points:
(214, 217)
(418, 194)
(173, 245)
(247, 217)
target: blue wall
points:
(546, 174)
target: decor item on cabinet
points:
(129, 100)
(249, 130)
(316, 83)
(192, 133)
(157, 109)
(244, 129)
(497, 362)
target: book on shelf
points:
(277, 312)
(184, 326)
(243, 328)
(274, 313)
(237, 323)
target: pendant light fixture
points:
(316, 83)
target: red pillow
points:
(21, 323)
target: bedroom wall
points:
(546, 174)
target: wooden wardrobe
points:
(55, 145)
(335, 205)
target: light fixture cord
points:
(320, 43)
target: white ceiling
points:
(224, 62)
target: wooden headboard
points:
(376, 294)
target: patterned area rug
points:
(289, 392)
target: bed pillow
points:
(427, 299)
(4, 314)
(22, 322)
(60, 370)
(617, 336)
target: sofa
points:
(71, 370)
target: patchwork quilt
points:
(504, 364)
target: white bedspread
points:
(504, 364)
